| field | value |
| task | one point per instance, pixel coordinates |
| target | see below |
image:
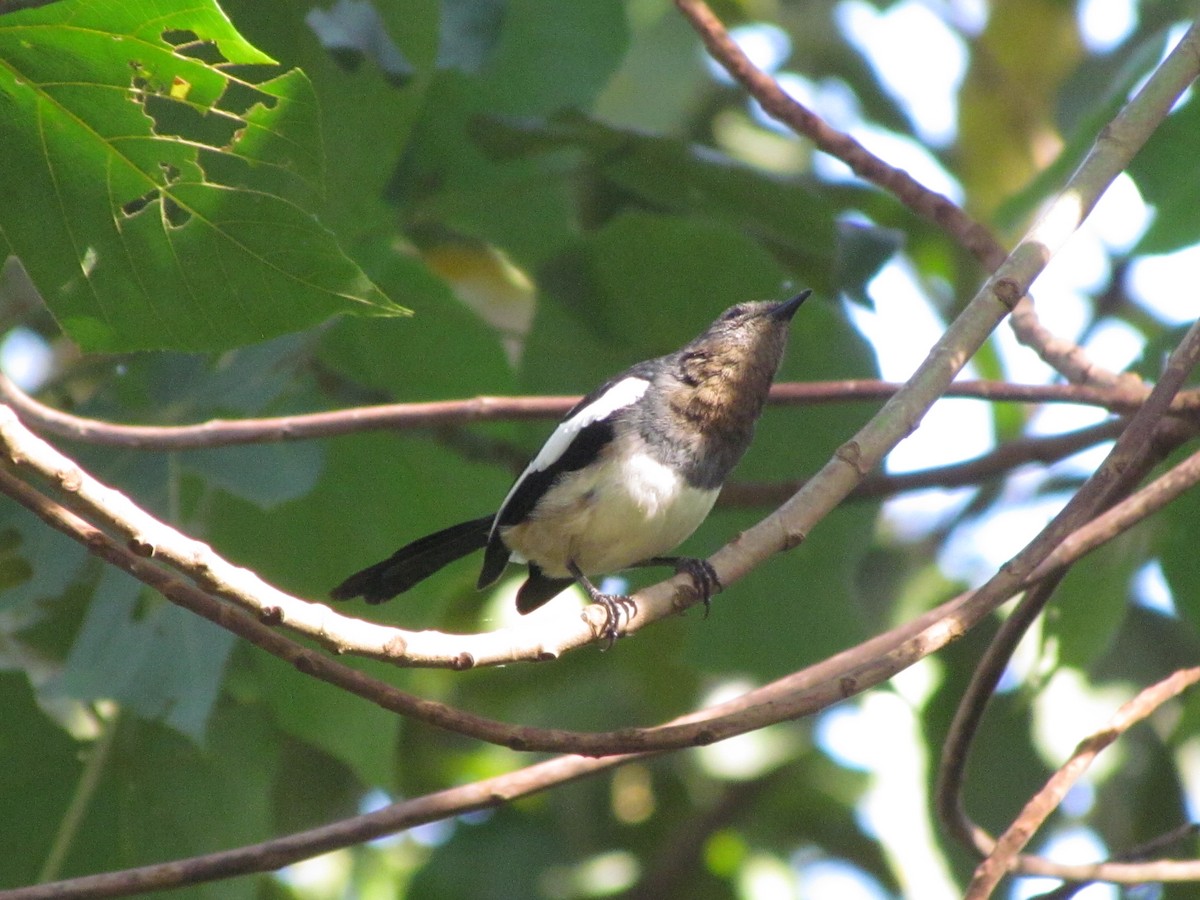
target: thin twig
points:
(968, 715)
(1132, 455)
(1003, 857)
(271, 855)
(986, 466)
(441, 413)
(1120, 518)
(1067, 358)
(1145, 850)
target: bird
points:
(629, 473)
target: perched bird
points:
(628, 475)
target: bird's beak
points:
(786, 309)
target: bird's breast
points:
(625, 509)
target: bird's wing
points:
(577, 441)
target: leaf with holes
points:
(158, 194)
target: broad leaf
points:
(159, 197)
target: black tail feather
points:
(414, 562)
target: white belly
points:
(607, 517)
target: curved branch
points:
(1003, 857)
(1135, 452)
(901, 414)
(1067, 358)
(271, 855)
(801, 693)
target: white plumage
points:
(625, 509)
(625, 392)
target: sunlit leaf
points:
(154, 191)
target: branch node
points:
(271, 615)
(462, 662)
(140, 547)
(794, 537)
(70, 480)
(1008, 292)
(851, 454)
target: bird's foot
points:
(614, 605)
(704, 579)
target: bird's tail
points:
(414, 562)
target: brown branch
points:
(1064, 356)
(441, 413)
(1100, 530)
(701, 727)
(782, 107)
(1133, 454)
(1006, 457)
(1003, 857)
(951, 772)
(218, 865)
(799, 694)
(271, 855)
(1123, 516)
(1143, 851)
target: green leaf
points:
(358, 733)
(153, 657)
(51, 559)
(353, 30)
(157, 196)
(444, 351)
(41, 766)
(862, 251)
(264, 474)
(468, 32)
(552, 55)
(443, 177)
(163, 798)
(376, 493)
(1090, 605)
(1177, 553)
(675, 176)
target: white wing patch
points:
(624, 393)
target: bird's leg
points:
(703, 575)
(613, 604)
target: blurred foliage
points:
(555, 190)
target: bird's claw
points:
(704, 579)
(614, 605)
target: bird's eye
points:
(733, 312)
